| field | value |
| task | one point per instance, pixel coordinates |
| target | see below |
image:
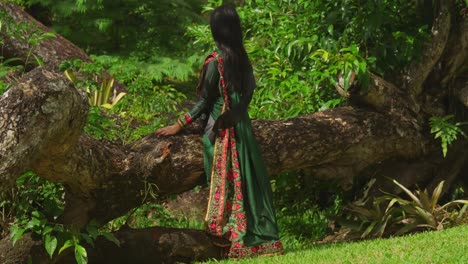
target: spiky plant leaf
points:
(454, 202)
(107, 88)
(410, 194)
(390, 204)
(426, 216)
(368, 229)
(462, 211)
(425, 201)
(405, 229)
(361, 211)
(70, 75)
(436, 194)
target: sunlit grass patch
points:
(447, 246)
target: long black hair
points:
(238, 73)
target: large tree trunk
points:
(42, 116)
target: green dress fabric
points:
(256, 188)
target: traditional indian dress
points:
(240, 205)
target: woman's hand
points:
(169, 130)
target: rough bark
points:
(158, 245)
(19, 254)
(344, 139)
(42, 116)
(419, 71)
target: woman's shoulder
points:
(216, 54)
(212, 59)
(211, 65)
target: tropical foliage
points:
(446, 130)
(392, 214)
(35, 205)
(108, 26)
(11, 68)
(299, 49)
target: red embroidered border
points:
(225, 215)
(242, 251)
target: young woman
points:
(240, 205)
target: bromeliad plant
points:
(393, 214)
(422, 210)
(98, 92)
(374, 220)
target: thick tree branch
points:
(455, 59)
(105, 181)
(52, 51)
(41, 121)
(41, 117)
(346, 139)
(418, 72)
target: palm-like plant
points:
(101, 95)
(421, 210)
(375, 220)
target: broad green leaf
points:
(50, 243)
(348, 79)
(16, 235)
(66, 245)
(112, 238)
(47, 230)
(33, 41)
(81, 255)
(34, 222)
(59, 228)
(92, 230)
(88, 239)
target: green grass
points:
(447, 246)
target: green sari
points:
(240, 205)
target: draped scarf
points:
(225, 216)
